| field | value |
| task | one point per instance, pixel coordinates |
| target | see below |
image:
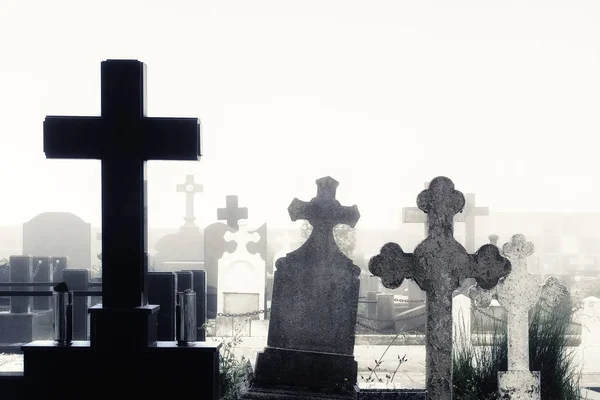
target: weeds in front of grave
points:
(234, 375)
(475, 373)
(389, 378)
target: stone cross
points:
(123, 139)
(232, 213)
(190, 189)
(493, 238)
(241, 237)
(517, 293)
(467, 215)
(438, 265)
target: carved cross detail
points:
(438, 265)
(517, 294)
(241, 237)
(323, 212)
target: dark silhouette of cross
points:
(123, 138)
(438, 265)
(190, 189)
(232, 213)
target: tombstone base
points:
(280, 393)
(126, 329)
(232, 326)
(26, 327)
(66, 372)
(305, 370)
(519, 385)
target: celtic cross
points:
(438, 265)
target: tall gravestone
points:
(59, 234)
(517, 294)
(313, 314)
(187, 244)
(42, 272)
(123, 350)
(438, 265)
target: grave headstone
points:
(162, 290)
(42, 272)
(190, 188)
(517, 293)
(232, 213)
(241, 284)
(187, 244)
(315, 286)
(185, 280)
(215, 246)
(59, 234)
(386, 318)
(22, 324)
(438, 265)
(59, 264)
(4, 278)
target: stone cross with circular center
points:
(517, 293)
(190, 188)
(438, 265)
(232, 213)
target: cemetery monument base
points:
(79, 368)
(521, 385)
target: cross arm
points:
(73, 137)
(393, 265)
(324, 212)
(171, 138)
(487, 266)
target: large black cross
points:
(123, 139)
(438, 265)
(232, 213)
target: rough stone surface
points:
(438, 265)
(315, 301)
(519, 385)
(517, 293)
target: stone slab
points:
(304, 369)
(295, 394)
(25, 328)
(195, 370)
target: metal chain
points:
(248, 314)
(37, 269)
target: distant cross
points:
(190, 189)
(438, 265)
(467, 215)
(232, 213)
(493, 238)
(517, 294)
(123, 139)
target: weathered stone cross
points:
(232, 213)
(190, 189)
(517, 294)
(438, 265)
(468, 214)
(123, 138)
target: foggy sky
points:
(501, 98)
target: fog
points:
(501, 98)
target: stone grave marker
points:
(22, 324)
(190, 188)
(517, 293)
(59, 234)
(438, 265)
(162, 289)
(42, 272)
(241, 284)
(215, 246)
(4, 278)
(313, 314)
(232, 213)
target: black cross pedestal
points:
(123, 347)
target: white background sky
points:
(502, 97)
